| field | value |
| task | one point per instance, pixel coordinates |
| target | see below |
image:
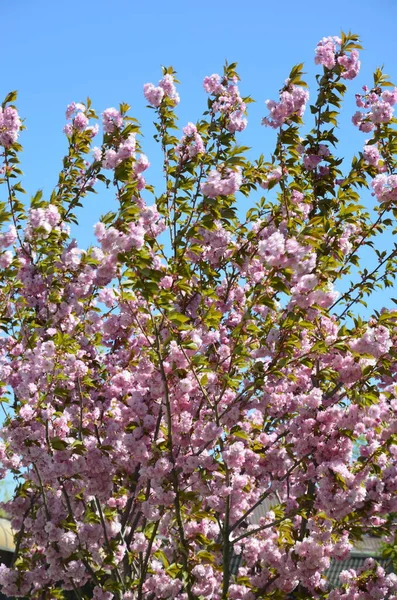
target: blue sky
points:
(56, 52)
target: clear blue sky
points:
(55, 52)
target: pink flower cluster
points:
(292, 103)
(191, 143)
(6, 259)
(113, 241)
(213, 84)
(8, 238)
(380, 107)
(326, 50)
(328, 54)
(303, 296)
(111, 120)
(79, 121)
(278, 250)
(349, 234)
(371, 155)
(218, 184)
(114, 156)
(367, 582)
(42, 221)
(385, 187)
(375, 341)
(273, 176)
(300, 204)
(228, 101)
(214, 244)
(10, 125)
(311, 160)
(351, 64)
(166, 88)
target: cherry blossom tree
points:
(192, 366)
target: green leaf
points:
(58, 444)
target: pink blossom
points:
(311, 161)
(292, 102)
(212, 84)
(273, 176)
(237, 121)
(385, 187)
(10, 125)
(141, 164)
(191, 143)
(80, 121)
(166, 282)
(9, 237)
(97, 152)
(375, 341)
(216, 185)
(371, 155)
(390, 96)
(351, 65)
(153, 95)
(92, 130)
(381, 112)
(325, 52)
(166, 88)
(111, 120)
(167, 84)
(6, 259)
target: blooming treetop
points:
(162, 392)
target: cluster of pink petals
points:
(166, 88)
(278, 250)
(111, 120)
(10, 125)
(371, 155)
(214, 243)
(228, 101)
(6, 259)
(217, 184)
(380, 108)
(114, 241)
(213, 84)
(326, 54)
(8, 238)
(191, 143)
(351, 64)
(375, 341)
(368, 581)
(42, 221)
(75, 112)
(312, 159)
(326, 50)
(385, 187)
(305, 295)
(273, 176)
(113, 157)
(292, 103)
(349, 234)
